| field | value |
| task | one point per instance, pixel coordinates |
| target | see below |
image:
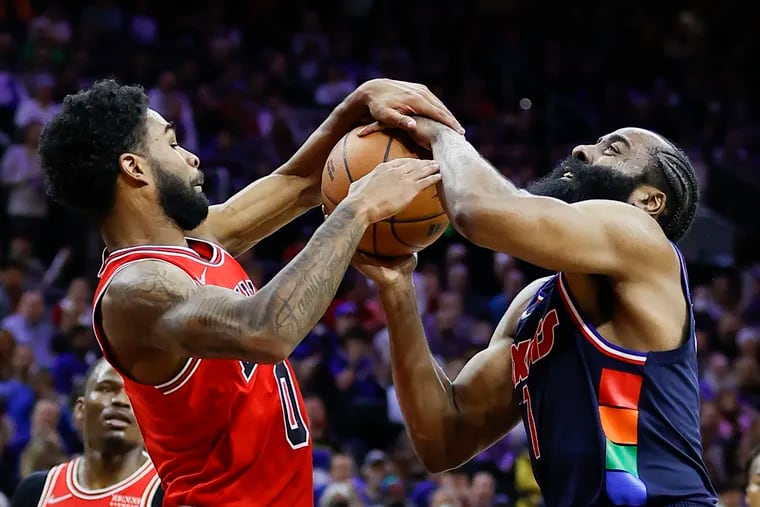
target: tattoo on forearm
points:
(304, 289)
(213, 323)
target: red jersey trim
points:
(80, 491)
(181, 378)
(592, 335)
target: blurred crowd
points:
(246, 82)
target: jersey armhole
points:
(158, 497)
(100, 333)
(29, 491)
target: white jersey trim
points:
(150, 492)
(50, 481)
(72, 481)
(101, 339)
(592, 335)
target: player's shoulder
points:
(509, 321)
(145, 281)
(29, 490)
(630, 224)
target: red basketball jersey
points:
(62, 488)
(221, 432)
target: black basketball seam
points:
(333, 201)
(393, 231)
(345, 159)
(387, 149)
(395, 220)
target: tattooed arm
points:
(207, 321)
(160, 304)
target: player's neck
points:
(127, 227)
(99, 470)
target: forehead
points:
(638, 137)
(156, 123)
(105, 373)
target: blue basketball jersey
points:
(608, 426)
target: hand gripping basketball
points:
(391, 186)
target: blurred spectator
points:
(77, 352)
(335, 89)
(21, 174)
(176, 108)
(51, 27)
(75, 307)
(448, 329)
(445, 498)
(246, 83)
(143, 26)
(45, 448)
(30, 327)
(41, 106)
(483, 492)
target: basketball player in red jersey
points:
(114, 470)
(203, 355)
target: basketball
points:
(417, 226)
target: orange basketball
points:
(416, 226)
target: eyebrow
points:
(169, 126)
(612, 138)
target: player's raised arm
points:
(178, 316)
(449, 421)
(619, 189)
(271, 202)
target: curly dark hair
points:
(80, 148)
(671, 171)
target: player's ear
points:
(134, 168)
(79, 412)
(649, 199)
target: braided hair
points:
(671, 171)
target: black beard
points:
(181, 203)
(115, 445)
(588, 182)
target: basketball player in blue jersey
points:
(599, 359)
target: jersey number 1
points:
(296, 431)
(531, 422)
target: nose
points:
(193, 160)
(583, 153)
(120, 399)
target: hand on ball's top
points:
(395, 103)
(391, 186)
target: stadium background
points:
(246, 82)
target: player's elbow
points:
(463, 212)
(436, 462)
(268, 347)
(467, 217)
(434, 453)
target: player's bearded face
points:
(182, 203)
(574, 180)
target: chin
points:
(118, 441)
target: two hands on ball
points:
(392, 185)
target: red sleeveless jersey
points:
(62, 488)
(221, 432)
